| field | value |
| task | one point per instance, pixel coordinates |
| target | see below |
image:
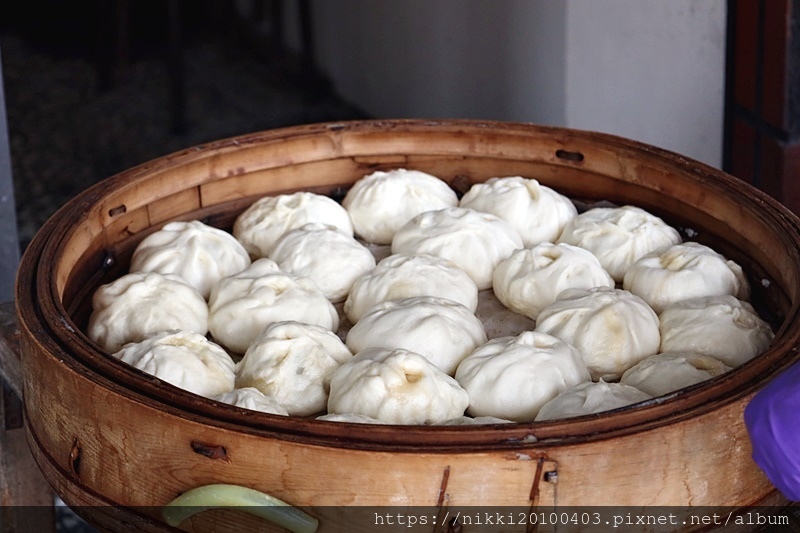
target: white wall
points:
(652, 70)
(445, 58)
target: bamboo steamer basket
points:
(105, 434)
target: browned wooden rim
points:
(43, 315)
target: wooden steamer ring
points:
(106, 434)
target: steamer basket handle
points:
(251, 501)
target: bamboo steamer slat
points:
(105, 434)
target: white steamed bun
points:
(330, 258)
(619, 236)
(293, 362)
(442, 330)
(396, 387)
(407, 275)
(183, 358)
(140, 304)
(512, 377)
(669, 371)
(532, 278)
(260, 226)
(612, 328)
(537, 212)
(684, 271)
(381, 202)
(590, 398)
(476, 242)
(243, 305)
(253, 399)
(199, 253)
(720, 326)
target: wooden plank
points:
(10, 368)
(26, 498)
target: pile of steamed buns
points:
(405, 305)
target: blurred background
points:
(94, 87)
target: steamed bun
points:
(381, 202)
(537, 212)
(719, 326)
(442, 330)
(253, 399)
(293, 362)
(140, 304)
(396, 387)
(512, 377)
(407, 275)
(612, 328)
(260, 226)
(589, 398)
(200, 254)
(476, 242)
(684, 271)
(243, 305)
(531, 279)
(183, 358)
(619, 236)
(669, 371)
(330, 258)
